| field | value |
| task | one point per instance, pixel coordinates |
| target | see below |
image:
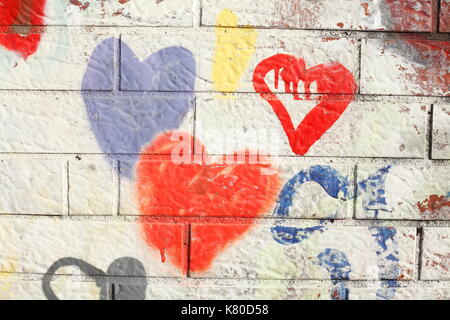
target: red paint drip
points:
(203, 189)
(24, 13)
(331, 78)
(163, 255)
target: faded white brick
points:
(435, 254)
(403, 192)
(93, 187)
(33, 245)
(58, 64)
(200, 289)
(123, 13)
(325, 14)
(32, 186)
(45, 123)
(365, 129)
(404, 67)
(441, 131)
(363, 253)
(416, 293)
(61, 124)
(12, 288)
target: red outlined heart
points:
(331, 78)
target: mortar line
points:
(117, 64)
(188, 262)
(438, 16)
(111, 290)
(420, 236)
(429, 136)
(359, 65)
(125, 94)
(68, 186)
(119, 180)
(194, 129)
(355, 190)
(261, 221)
(227, 282)
(183, 29)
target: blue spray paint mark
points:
(388, 268)
(336, 186)
(128, 121)
(291, 235)
(339, 268)
(372, 191)
(328, 178)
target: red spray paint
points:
(21, 13)
(203, 189)
(331, 78)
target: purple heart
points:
(124, 122)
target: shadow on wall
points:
(122, 267)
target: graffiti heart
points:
(128, 121)
(24, 13)
(200, 189)
(331, 78)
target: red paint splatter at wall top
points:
(15, 13)
(408, 15)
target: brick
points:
(161, 290)
(93, 187)
(32, 186)
(405, 67)
(54, 124)
(61, 124)
(34, 245)
(374, 15)
(444, 20)
(435, 254)
(441, 131)
(363, 252)
(116, 13)
(58, 64)
(365, 129)
(12, 288)
(164, 289)
(202, 46)
(416, 293)
(307, 198)
(404, 192)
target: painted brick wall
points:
(211, 149)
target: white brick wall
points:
(88, 87)
(435, 251)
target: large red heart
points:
(199, 189)
(26, 13)
(331, 78)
